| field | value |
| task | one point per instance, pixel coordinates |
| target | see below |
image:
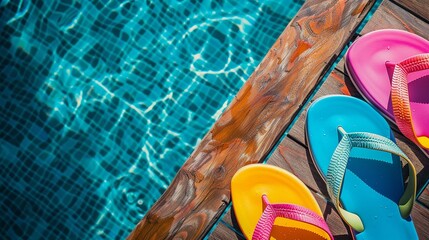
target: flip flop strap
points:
(338, 164)
(399, 94)
(290, 211)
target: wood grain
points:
(334, 84)
(294, 157)
(390, 15)
(230, 220)
(424, 197)
(254, 121)
(222, 231)
(420, 217)
(418, 7)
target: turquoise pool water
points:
(102, 102)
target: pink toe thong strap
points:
(399, 94)
(290, 211)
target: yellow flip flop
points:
(271, 203)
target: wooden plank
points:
(418, 7)
(334, 84)
(224, 232)
(424, 197)
(295, 158)
(420, 217)
(254, 121)
(338, 83)
(231, 220)
(390, 15)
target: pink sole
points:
(366, 62)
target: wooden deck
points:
(276, 93)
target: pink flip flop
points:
(390, 68)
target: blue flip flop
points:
(355, 152)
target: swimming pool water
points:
(102, 101)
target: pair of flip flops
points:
(354, 150)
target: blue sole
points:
(373, 180)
